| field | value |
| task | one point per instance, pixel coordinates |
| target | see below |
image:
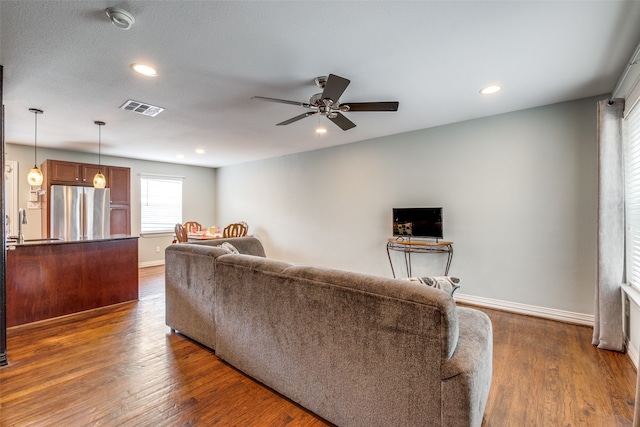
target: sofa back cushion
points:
(432, 300)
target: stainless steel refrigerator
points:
(79, 213)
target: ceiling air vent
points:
(142, 108)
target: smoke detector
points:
(141, 108)
(120, 18)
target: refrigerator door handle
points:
(83, 216)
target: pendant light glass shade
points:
(99, 180)
(35, 177)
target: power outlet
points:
(157, 249)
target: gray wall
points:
(518, 191)
(198, 193)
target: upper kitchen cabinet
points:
(60, 172)
(69, 173)
(118, 180)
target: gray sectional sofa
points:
(357, 350)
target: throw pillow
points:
(226, 250)
(228, 246)
(447, 284)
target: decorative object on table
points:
(238, 229)
(445, 283)
(181, 234)
(35, 176)
(99, 181)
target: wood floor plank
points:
(122, 366)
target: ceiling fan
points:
(327, 103)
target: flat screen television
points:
(418, 222)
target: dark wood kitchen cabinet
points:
(60, 172)
(119, 181)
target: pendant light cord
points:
(35, 112)
(100, 124)
(35, 140)
(100, 147)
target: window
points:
(631, 141)
(160, 203)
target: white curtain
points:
(607, 329)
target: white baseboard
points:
(529, 310)
(151, 263)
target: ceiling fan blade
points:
(281, 101)
(296, 118)
(372, 106)
(342, 122)
(335, 87)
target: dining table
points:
(194, 237)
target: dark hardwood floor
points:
(121, 366)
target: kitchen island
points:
(49, 278)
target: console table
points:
(418, 246)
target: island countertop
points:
(11, 242)
(51, 278)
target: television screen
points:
(417, 222)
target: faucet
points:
(22, 219)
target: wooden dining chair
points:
(190, 225)
(237, 229)
(181, 234)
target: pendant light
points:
(99, 181)
(35, 175)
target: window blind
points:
(160, 203)
(631, 141)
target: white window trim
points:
(631, 150)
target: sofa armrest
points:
(466, 377)
(190, 290)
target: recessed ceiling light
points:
(200, 151)
(490, 89)
(144, 70)
(321, 130)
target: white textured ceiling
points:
(66, 58)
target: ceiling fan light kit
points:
(327, 103)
